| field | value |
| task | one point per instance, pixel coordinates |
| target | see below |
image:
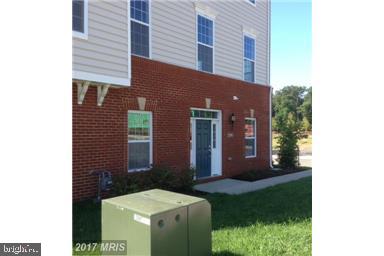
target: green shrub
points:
(274, 124)
(306, 125)
(290, 131)
(158, 177)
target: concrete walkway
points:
(235, 187)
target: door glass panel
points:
(203, 114)
(190, 135)
(214, 136)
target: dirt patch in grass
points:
(268, 173)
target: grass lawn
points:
(273, 221)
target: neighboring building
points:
(171, 83)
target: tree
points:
(290, 131)
(296, 100)
(288, 100)
(288, 116)
(306, 108)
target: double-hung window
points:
(250, 137)
(249, 59)
(139, 140)
(140, 27)
(80, 18)
(204, 44)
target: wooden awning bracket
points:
(82, 88)
(102, 91)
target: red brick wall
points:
(100, 133)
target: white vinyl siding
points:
(105, 52)
(174, 35)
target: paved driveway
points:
(306, 160)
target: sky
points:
(291, 43)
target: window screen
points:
(249, 70)
(205, 58)
(138, 155)
(139, 39)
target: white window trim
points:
(211, 46)
(253, 4)
(254, 138)
(137, 141)
(83, 35)
(244, 58)
(149, 25)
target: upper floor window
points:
(252, 1)
(205, 44)
(249, 59)
(140, 27)
(79, 18)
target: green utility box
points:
(158, 223)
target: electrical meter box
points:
(159, 223)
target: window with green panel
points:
(139, 140)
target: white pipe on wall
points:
(270, 126)
(269, 82)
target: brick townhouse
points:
(173, 83)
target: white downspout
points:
(270, 126)
(270, 87)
